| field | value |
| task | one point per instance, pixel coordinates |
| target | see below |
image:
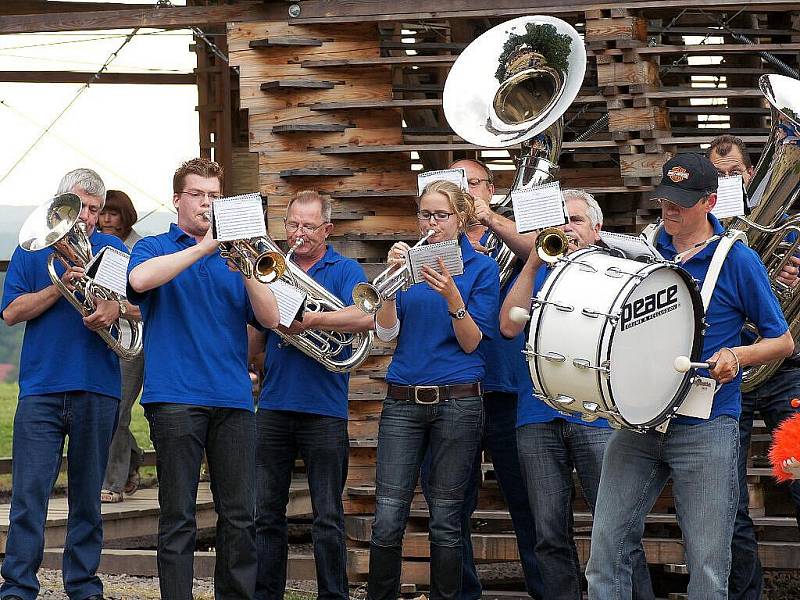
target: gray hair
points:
(307, 196)
(87, 180)
(593, 210)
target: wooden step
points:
(296, 84)
(285, 42)
(311, 128)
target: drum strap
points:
(720, 254)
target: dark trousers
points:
(323, 444)
(500, 438)
(180, 433)
(41, 424)
(452, 431)
(772, 399)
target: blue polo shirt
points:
(59, 354)
(505, 363)
(296, 382)
(530, 408)
(742, 292)
(195, 338)
(427, 349)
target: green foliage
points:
(542, 38)
(10, 342)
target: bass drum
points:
(605, 332)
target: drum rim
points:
(697, 343)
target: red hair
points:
(785, 445)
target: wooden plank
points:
(285, 41)
(292, 84)
(167, 17)
(381, 61)
(93, 78)
(321, 172)
(311, 128)
(347, 11)
(709, 49)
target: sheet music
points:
(428, 254)
(239, 218)
(109, 269)
(730, 197)
(539, 207)
(457, 176)
(290, 301)
(633, 247)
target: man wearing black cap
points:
(699, 453)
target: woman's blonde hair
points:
(461, 203)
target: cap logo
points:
(678, 174)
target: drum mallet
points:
(517, 314)
(684, 363)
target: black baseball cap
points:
(687, 178)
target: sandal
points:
(134, 479)
(110, 497)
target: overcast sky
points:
(133, 135)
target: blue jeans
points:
(772, 400)
(452, 431)
(701, 460)
(323, 444)
(500, 438)
(40, 426)
(180, 433)
(548, 453)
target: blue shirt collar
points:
(665, 240)
(178, 235)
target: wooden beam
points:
(346, 11)
(79, 77)
(29, 7)
(164, 17)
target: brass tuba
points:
(326, 347)
(511, 86)
(55, 223)
(774, 187)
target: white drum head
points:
(658, 322)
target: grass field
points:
(8, 404)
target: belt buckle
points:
(426, 388)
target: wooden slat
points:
(380, 61)
(285, 41)
(79, 77)
(310, 128)
(163, 17)
(296, 84)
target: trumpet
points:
(55, 224)
(252, 257)
(369, 297)
(551, 244)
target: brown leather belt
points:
(432, 394)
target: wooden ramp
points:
(137, 516)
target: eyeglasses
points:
(291, 226)
(197, 194)
(439, 215)
(475, 181)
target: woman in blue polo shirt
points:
(434, 395)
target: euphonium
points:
(369, 297)
(774, 187)
(55, 224)
(326, 347)
(511, 86)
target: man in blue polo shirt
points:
(69, 385)
(302, 411)
(699, 454)
(551, 445)
(772, 399)
(504, 363)
(197, 393)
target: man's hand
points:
(727, 366)
(106, 312)
(209, 245)
(789, 273)
(70, 275)
(484, 214)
